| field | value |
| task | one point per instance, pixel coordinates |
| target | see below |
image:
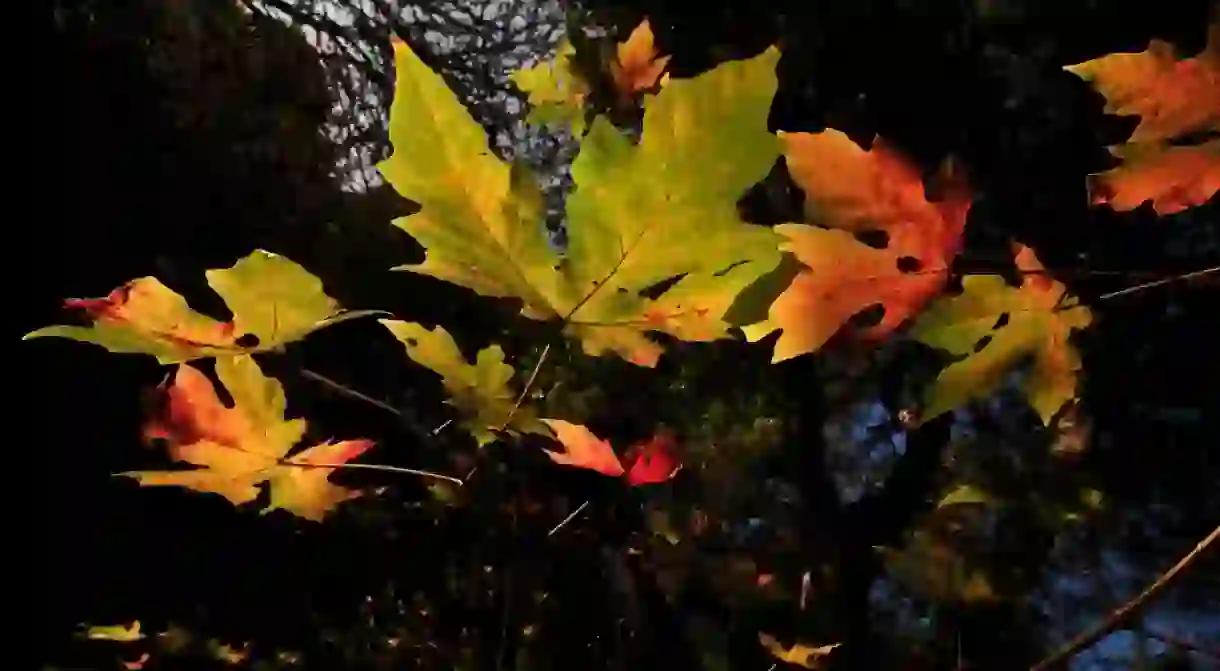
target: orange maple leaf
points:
(1173, 178)
(243, 446)
(650, 462)
(1171, 96)
(853, 190)
(636, 66)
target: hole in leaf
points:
(909, 264)
(247, 340)
(725, 271)
(654, 292)
(983, 342)
(874, 239)
(868, 317)
(1001, 322)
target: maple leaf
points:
(271, 298)
(640, 214)
(115, 632)
(637, 66)
(1034, 320)
(651, 461)
(800, 654)
(1173, 178)
(851, 190)
(241, 447)
(557, 91)
(480, 391)
(1171, 96)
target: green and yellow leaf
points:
(481, 391)
(273, 300)
(662, 210)
(1040, 320)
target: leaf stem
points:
(571, 516)
(348, 391)
(1125, 612)
(379, 467)
(1156, 283)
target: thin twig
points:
(1120, 616)
(571, 516)
(379, 467)
(529, 385)
(1176, 642)
(348, 391)
(1160, 282)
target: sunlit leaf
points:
(800, 654)
(482, 391)
(124, 633)
(852, 190)
(1172, 96)
(650, 462)
(273, 300)
(241, 447)
(1172, 178)
(640, 214)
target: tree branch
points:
(1128, 610)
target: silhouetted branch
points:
(1128, 610)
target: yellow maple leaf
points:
(480, 391)
(640, 214)
(240, 447)
(800, 654)
(555, 90)
(1035, 320)
(273, 300)
(115, 632)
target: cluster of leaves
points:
(657, 252)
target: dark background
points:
(179, 136)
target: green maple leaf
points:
(640, 215)
(272, 299)
(480, 391)
(1040, 321)
(556, 91)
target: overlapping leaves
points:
(273, 300)
(631, 220)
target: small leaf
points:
(480, 391)
(271, 298)
(583, 449)
(800, 654)
(115, 632)
(965, 495)
(653, 461)
(637, 66)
